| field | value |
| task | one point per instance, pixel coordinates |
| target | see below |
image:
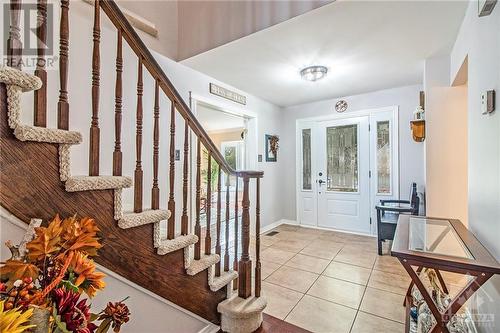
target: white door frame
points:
(251, 159)
(372, 113)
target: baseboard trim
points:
(273, 225)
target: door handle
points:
(321, 182)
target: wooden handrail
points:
(137, 45)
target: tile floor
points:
(326, 281)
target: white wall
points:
(269, 121)
(410, 152)
(479, 40)
(445, 143)
(149, 313)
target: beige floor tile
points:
(311, 231)
(286, 227)
(308, 263)
(268, 240)
(361, 247)
(319, 316)
(322, 249)
(333, 237)
(276, 255)
(389, 282)
(389, 264)
(348, 272)
(291, 245)
(357, 258)
(280, 301)
(293, 278)
(338, 291)
(455, 278)
(367, 323)
(267, 268)
(384, 304)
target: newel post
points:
(245, 264)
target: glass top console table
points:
(441, 245)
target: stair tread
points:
(180, 242)
(50, 135)
(206, 261)
(237, 307)
(222, 280)
(131, 220)
(88, 183)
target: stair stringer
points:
(32, 186)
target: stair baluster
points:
(117, 153)
(138, 173)
(171, 201)
(208, 206)
(226, 250)
(218, 227)
(63, 104)
(245, 264)
(197, 226)
(236, 239)
(14, 43)
(184, 218)
(155, 191)
(94, 127)
(40, 101)
(257, 241)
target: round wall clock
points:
(341, 106)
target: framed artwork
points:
(272, 148)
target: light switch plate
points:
(488, 102)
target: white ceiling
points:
(214, 120)
(367, 46)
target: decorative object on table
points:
(42, 284)
(460, 323)
(341, 106)
(272, 146)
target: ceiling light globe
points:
(313, 73)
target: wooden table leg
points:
(410, 287)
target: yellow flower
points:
(13, 320)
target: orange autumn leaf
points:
(17, 270)
(46, 241)
(80, 235)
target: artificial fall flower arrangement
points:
(42, 284)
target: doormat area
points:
(272, 233)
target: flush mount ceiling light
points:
(313, 73)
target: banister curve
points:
(119, 20)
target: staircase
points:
(36, 181)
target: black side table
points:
(387, 219)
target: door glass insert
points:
(306, 159)
(383, 158)
(342, 158)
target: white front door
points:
(343, 166)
